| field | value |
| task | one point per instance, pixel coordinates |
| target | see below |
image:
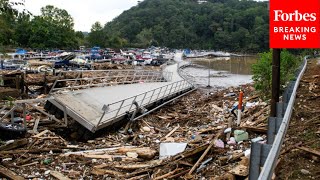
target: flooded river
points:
(224, 71)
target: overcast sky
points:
(85, 12)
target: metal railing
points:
(110, 78)
(183, 74)
(120, 108)
(271, 160)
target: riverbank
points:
(300, 157)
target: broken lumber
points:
(251, 118)
(139, 177)
(187, 154)
(225, 159)
(59, 175)
(96, 151)
(144, 152)
(180, 174)
(33, 151)
(171, 132)
(40, 134)
(206, 152)
(168, 174)
(111, 173)
(15, 144)
(7, 173)
(138, 166)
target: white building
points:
(201, 1)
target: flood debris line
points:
(195, 136)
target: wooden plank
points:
(40, 134)
(7, 173)
(168, 174)
(111, 173)
(58, 175)
(14, 145)
(171, 132)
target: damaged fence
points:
(266, 155)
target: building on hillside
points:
(201, 1)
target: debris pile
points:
(194, 137)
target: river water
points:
(224, 71)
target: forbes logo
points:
(295, 16)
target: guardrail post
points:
(259, 154)
(254, 169)
(280, 110)
(271, 133)
(274, 124)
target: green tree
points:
(8, 15)
(144, 38)
(262, 70)
(96, 36)
(53, 29)
(229, 25)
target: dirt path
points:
(304, 130)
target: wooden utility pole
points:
(275, 81)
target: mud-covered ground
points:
(304, 130)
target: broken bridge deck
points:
(86, 105)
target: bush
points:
(262, 71)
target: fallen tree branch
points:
(314, 152)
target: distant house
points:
(201, 1)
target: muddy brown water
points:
(224, 71)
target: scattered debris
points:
(171, 149)
(188, 138)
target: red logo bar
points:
(294, 23)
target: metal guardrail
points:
(120, 108)
(112, 77)
(271, 160)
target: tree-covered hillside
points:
(218, 24)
